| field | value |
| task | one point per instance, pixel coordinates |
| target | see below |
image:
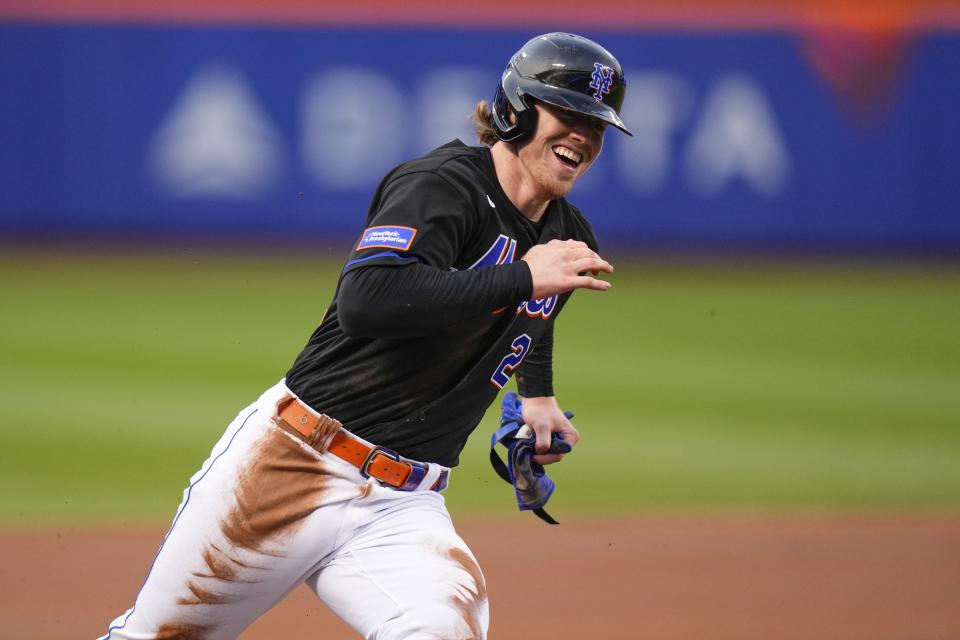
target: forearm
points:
(416, 299)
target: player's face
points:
(564, 145)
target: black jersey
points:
(422, 395)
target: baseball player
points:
(334, 476)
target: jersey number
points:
(521, 346)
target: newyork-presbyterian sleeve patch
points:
(397, 238)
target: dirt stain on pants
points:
(471, 601)
(282, 484)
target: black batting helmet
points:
(564, 70)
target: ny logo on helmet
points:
(600, 80)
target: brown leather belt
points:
(326, 434)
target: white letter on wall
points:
(737, 137)
(216, 142)
(354, 125)
(447, 97)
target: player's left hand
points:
(543, 415)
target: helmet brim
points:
(575, 101)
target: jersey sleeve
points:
(383, 302)
(535, 376)
(416, 217)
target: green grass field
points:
(711, 386)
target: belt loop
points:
(432, 475)
(317, 429)
(323, 433)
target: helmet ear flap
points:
(526, 118)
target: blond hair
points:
(482, 119)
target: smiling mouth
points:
(568, 156)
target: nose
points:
(580, 129)
(584, 135)
(586, 130)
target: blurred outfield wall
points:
(800, 125)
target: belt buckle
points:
(365, 467)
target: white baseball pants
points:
(266, 512)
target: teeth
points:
(569, 154)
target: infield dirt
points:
(722, 577)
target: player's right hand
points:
(562, 265)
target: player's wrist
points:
(523, 279)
